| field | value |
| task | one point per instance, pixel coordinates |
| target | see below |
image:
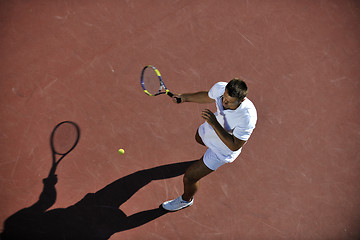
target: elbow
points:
(234, 148)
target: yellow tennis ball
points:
(121, 151)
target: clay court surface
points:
(298, 176)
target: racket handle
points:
(52, 170)
(178, 100)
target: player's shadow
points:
(96, 216)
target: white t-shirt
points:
(239, 122)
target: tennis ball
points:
(121, 151)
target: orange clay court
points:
(296, 178)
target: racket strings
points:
(151, 81)
(64, 138)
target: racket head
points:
(64, 137)
(151, 81)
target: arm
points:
(229, 140)
(48, 196)
(197, 97)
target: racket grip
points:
(178, 100)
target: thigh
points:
(198, 138)
(197, 171)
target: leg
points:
(191, 178)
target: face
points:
(230, 103)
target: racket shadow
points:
(96, 216)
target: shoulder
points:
(248, 112)
(217, 90)
(248, 106)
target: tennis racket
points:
(152, 83)
(63, 140)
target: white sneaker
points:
(177, 204)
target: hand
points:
(51, 180)
(176, 97)
(209, 117)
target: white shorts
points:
(212, 161)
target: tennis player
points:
(224, 133)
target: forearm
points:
(197, 97)
(48, 195)
(225, 137)
(229, 140)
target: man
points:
(224, 133)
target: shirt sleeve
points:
(217, 90)
(242, 133)
(245, 129)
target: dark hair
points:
(237, 88)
